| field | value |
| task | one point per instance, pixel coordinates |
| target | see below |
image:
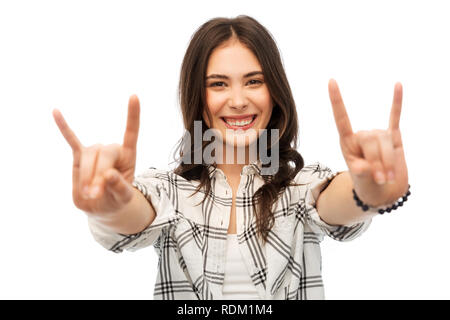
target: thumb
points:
(121, 189)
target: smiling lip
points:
(240, 127)
(239, 117)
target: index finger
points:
(68, 134)
(394, 120)
(132, 130)
(340, 114)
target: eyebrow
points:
(222, 76)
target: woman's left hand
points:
(375, 158)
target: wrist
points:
(381, 209)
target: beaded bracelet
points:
(397, 204)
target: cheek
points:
(264, 102)
(214, 104)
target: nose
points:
(237, 99)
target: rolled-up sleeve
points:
(317, 177)
(152, 186)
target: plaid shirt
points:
(190, 237)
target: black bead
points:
(397, 204)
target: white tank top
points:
(237, 284)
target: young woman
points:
(228, 229)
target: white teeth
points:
(239, 123)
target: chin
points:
(240, 139)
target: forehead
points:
(232, 58)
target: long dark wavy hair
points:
(192, 99)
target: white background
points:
(87, 57)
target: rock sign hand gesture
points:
(375, 159)
(102, 175)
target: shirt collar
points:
(249, 169)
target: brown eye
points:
(255, 81)
(217, 84)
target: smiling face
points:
(237, 96)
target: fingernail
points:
(94, 191)
(380, 178)
(390, 176)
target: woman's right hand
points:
(102, 174)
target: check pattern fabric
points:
(190, 236)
